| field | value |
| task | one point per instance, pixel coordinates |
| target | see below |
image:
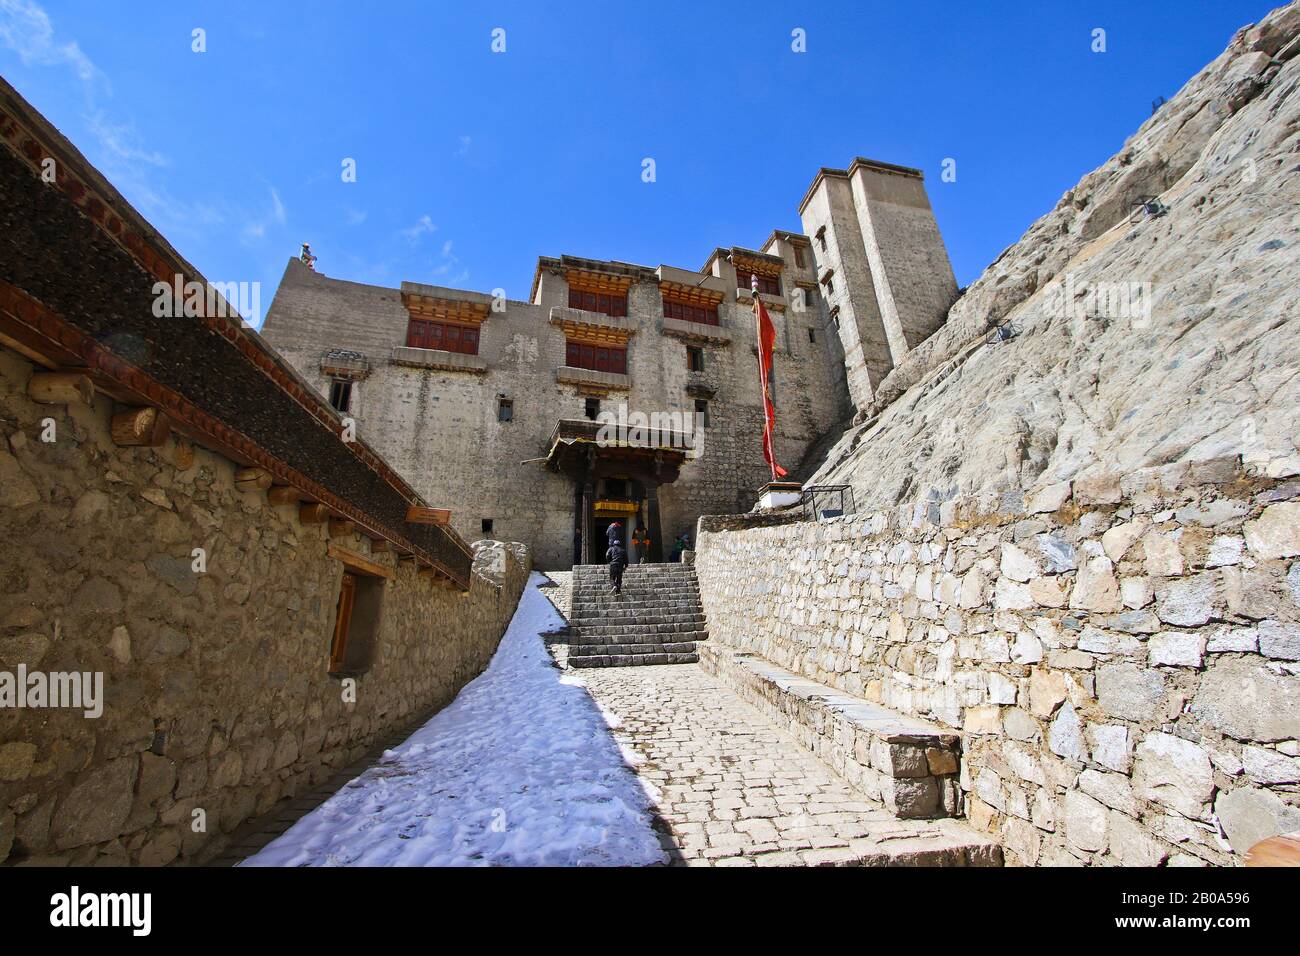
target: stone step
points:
(637, 627)
(677, 616)
(646, 613)
(638, 637)
(909, 765)
(656, 619)
(666, 647)
(633, 660)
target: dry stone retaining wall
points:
(1122, 657)
(216, 692)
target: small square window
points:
(695, 358)
(487, 525)
(592, 409)
(340, 394)
(505, 410)
(702, 411)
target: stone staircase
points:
(657, 619)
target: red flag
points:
(766, 339)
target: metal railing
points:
(826, 501)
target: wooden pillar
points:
(584, 519)
(652, 521)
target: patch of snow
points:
(519, 770)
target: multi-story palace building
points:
(494, 408)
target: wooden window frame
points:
(694, 358)
(606, 303)
(343, 621)
(595, 357)
(688, 312)
(442, 336)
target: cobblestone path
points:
(734, 791)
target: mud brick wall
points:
(1121, 656)
(217, 696)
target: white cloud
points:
(423, 227)
(463, 150)
(256, 228)
(118, 140)
(356, 217)
(26, 29)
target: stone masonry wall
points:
(1121, 656)
(440, 429)
(215, 685)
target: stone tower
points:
(881, 265)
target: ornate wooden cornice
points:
(48, 336)
(690, 294)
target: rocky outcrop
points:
(1131, 337)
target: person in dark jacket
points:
(614, 532)
(617, 557)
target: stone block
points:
(1188, 602)
(1130, 692)
(1173, 772)
(1110, 746)
(1276, 532)
(1176, 649)
(1086, 821)
(96, 809)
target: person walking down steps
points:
(617, 557)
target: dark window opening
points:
(505, 410)
(812, 336)
(605, 303)
(341, 395)
(425, 334)
(592, 409)
(487, 525)
(798, 256)
(705, 315)
(356, 622)
(695, 358)
(598, 358)
(702, 412)
(616, 487)
(830, 287)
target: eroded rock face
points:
(1092, 389)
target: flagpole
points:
(762, 374)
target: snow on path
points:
(519, 770)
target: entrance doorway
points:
(600, 536)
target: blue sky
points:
(472, 163)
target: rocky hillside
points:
(1107, 340)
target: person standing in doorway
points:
(617, 557)
(641, 541)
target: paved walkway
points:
(734, 791)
